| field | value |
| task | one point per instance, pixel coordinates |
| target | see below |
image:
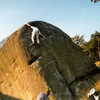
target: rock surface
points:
(56, 64)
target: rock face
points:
(56, 64)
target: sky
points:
(79, 17)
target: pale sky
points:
(72, 16)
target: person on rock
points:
(43, 96)
(93, 95)
(35, 33)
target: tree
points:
(78, 40)
(92, 48)
(95, 1)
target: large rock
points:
(55, 64)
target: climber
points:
(35, 32)
(43, 96)
(93, 95)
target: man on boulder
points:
(35, 33)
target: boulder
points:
(55, 64)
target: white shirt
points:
(91, 94)
(35, 32)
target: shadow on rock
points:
(7, 97)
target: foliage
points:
(92, 48)
(95, 1)
(78, 40)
